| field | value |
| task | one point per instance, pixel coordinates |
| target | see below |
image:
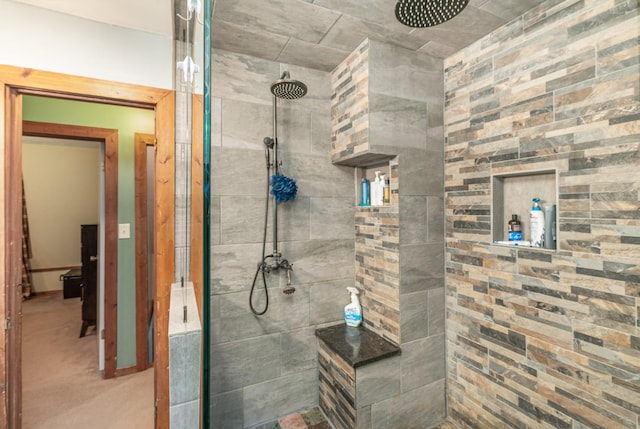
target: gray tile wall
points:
(265, 367)
(185, 355)
(541, 338)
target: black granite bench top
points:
(357, 346)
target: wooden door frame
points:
(141, 142)
(110, 139)
(15, 82)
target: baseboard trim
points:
(46, 292)
(127, 370)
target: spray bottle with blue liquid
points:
(353, 310)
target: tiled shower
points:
(265, 367)
(533, 338)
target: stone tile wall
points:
(350, 105)
(337, 388)
(378, 269)
(265, 367)
(541, 338)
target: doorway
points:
(107, 306)
(17, 82)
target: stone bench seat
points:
(357, 367)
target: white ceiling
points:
(317, 34)
(151, 16)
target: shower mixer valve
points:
(276, 265)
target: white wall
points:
(41, 39)
(62, 185)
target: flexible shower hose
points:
(261, 265)
(266, 292)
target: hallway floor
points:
(62, 387)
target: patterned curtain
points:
(26, 249)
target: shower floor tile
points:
(308, 419)
(314, 419)
(294, 421)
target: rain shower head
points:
(428, 13)
(288, 88)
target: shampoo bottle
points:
(381, 200)
(376, 190)
(515, 228)
(364, 190)
(386, 198)
(353, 310)
(550, 227)
(536, 222)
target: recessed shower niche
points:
(512, 193)
(369, 172)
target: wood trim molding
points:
(141, 142)
(58, 85)
(165, 251)
(127, 370)
(48, 270)
(11, 380)
(111, 255)
(196, 246)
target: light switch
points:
(124, 230)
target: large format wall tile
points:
(286, 312)
(377, 381)
(280, 396)
(237, 133)
(323, 297)
(422, 407)
(331, 218)
(264, 367)
(422, 362)
(227, 409)
(242, 78)
(242, 363)
(238, 172)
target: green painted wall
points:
(127, 121)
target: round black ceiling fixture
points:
(427, 13)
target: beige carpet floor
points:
(61, 384)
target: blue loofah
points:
(284, 188)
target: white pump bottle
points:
(376, 190)
(536, 223)
(353, 310)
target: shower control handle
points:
(289, 269)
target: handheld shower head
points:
(288, 88)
